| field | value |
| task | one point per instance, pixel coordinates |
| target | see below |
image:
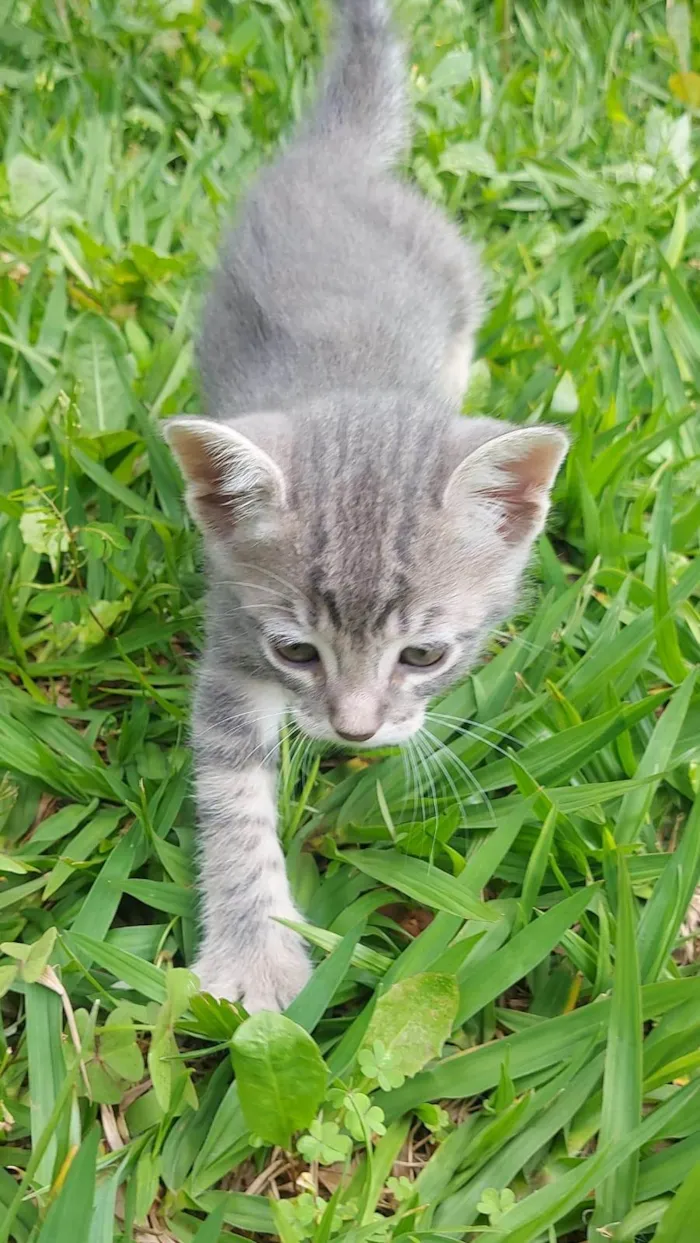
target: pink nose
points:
(355, 737)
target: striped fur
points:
(343, 500)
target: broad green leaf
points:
(280, 1074)
(118, 1047)
(413, 1019)
(94, 345)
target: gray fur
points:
(343, 500)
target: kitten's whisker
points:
(466, 720)
(237, 582)
(464, 768)
(277, 578)
(284, 736)
(435, 754)
(487, 742)
(518, 638)
(414, 779)
(424, 753)
(203, 731)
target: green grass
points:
(560, 134)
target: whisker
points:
(464, 768)
(435, 755)
(488, 742)
(236, 582)
(229, 721)
(276, 577)
(415, 781)
(518, 638)
(424, 753)
(465, 720)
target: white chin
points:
(389, 734)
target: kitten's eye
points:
(422, 657)
(297, 653)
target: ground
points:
(509, 1045)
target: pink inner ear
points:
(201, 457)
(522, 510)
(533, 471)
(521, 493)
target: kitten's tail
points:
(364, 92)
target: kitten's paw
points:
(266, 977)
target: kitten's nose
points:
(355, 715)
(354, 737)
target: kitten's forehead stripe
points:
(329, 600)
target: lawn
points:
(501, 1038)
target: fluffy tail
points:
(364, 92)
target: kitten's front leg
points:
(244, 953)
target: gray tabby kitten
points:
(361, 537)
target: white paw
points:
(264, 974)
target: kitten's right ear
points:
(507, 480)
(230, 480)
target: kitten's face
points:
(364, 577)
(361, 650)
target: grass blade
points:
(70, 1216)
(622, 1088)
(527, 948)
(421, 882)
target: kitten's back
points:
(337, 275)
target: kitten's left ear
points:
(510, 478)
(230, 479)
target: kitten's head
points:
(364, 577)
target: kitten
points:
(361, 537)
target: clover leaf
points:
(325, 1142)
(379, 1064)
(401, 1188)
(495, 1204)
(362, 1118)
